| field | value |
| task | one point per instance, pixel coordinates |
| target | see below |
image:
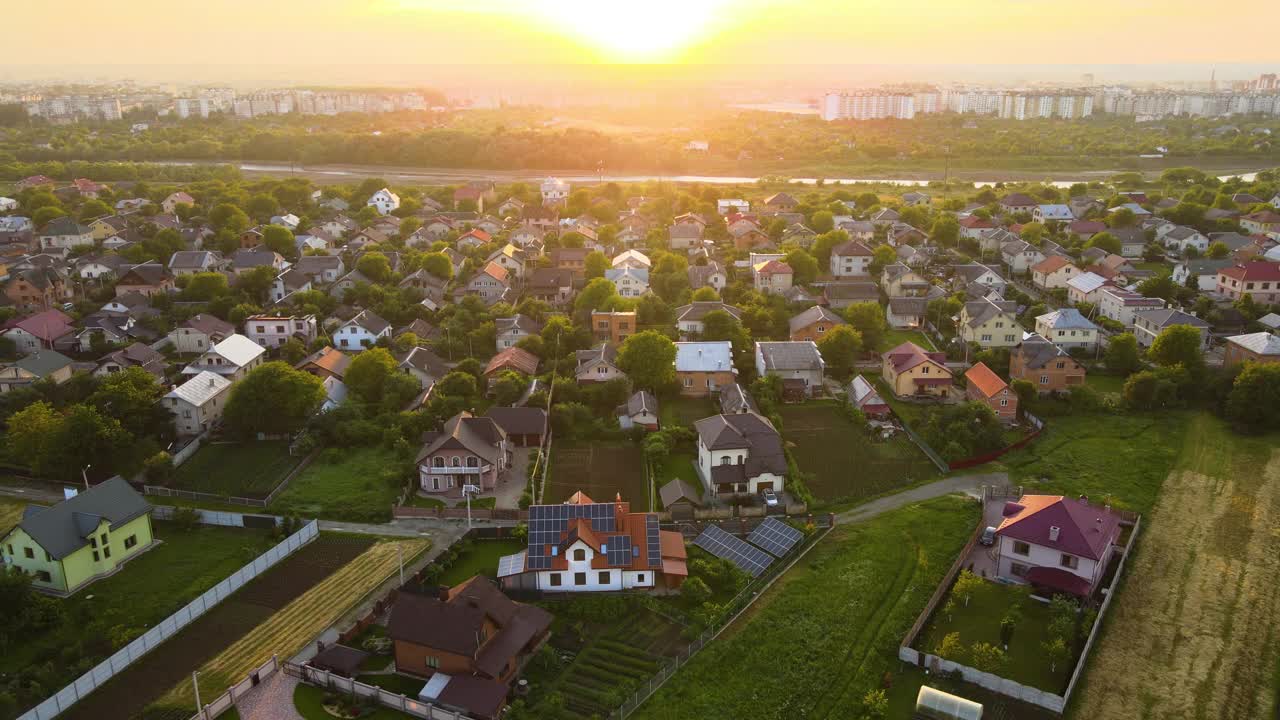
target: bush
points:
(185, 518)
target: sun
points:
(648, 30)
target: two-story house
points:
(630, 282)
(598, 364)
(1046, 365)
(511, 330)
(984, 386)
(384, 201)
(614, 326)
(1067, 329)
(197, 404)
(1056, 544)
(1260, 280)
(798, 363)
(1121, 305)
(702, 368)
(271, 331)
(322, 269)
(469, 450)
(689, 317)
(1053, 272)
(990, 323)
(233, 358)
(199, 333)
(911, 370)
(740, 454)
(711, 275)
(772, 276)
(851, 259)
(813, 324)
(1148, 324)
(1020, 256)
(361, 331)
(62, 234)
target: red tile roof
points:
(985, 380)
(908, 355)
(48, 325)
(1083, 529)
(974, 222)
(1051, 264)
(774, 267)
(513, 358)
(1253, 271)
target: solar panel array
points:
(546, 522)
(653, 539)
(716, 541)
(618, 550)
(511, 565)
(775, 536)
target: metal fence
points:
(356, 689)
(219, 517)
(170, 626)
(227, 700)
(734, 608)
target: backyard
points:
(353, 484)
(248, 469)
(478, 557)
(827, 632)
(893, 337)
(600, 469)
(845, 464)
(685, 411)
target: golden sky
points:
(369, 32)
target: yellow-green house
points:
(81, 539)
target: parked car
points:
(770, 498)
(988, 536)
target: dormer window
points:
(579, 555)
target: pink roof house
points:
(1055, 543)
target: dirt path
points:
(1195, 631)
(966, 484)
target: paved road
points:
(967, 484)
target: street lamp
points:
(467, 491)
(84, 475)
(195, 683)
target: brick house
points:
(702, 368)
(984, 386)
(1046, 365)
(814, 323)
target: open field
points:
(1195, 630)
(480, 558)
(10, 513)
(601, 470)
(846, 464)
(355, 488)
(145, 680)
(827, 632)
(148, 588)
(894, 337)
(684, 411)
(248, 469)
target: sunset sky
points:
(754, 32)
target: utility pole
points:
(195, 683)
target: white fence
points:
(227, 700)
(409, 706)
(87, 683)
(211, 517)
(1006, 687)
(189, 449)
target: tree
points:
(596, 264)
(987, 658)
(1217, 250)
(375, 266)
(1123, 355)
(1026, 393)
(882, 257)
(41, 217)
(822, 222)
(280, 239)
(946, 231)
(1253, 405)
(599, 294)
(875, 705)
(1105, 241)
(32, 431)
(868, 319)
(229, 217)
(257, 282)
(1160, 286)
(368, 372)
(950, 648)
(263, 206)
(1121, 218)
(1178, 345)
(804, 267)
(508, 388)
(292, 395)
(965, 586)
(293, 351)
(649, 359)
(438, 264)
(93, 209)
(840, 347)
(1032, 232)
(1055, 649)
(705, 294)
(133, 397)
(458, 384)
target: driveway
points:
(967, 484)
(271, 700)
(512, 483)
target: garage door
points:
(764, 486)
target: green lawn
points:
(248, 469)
(149, 588)
(422, 501)
(400, 684)
(894, 337)
(827, 632)
(845, 463)
(1119, 459)
(357, 488)
(479, 558)
(685, 411)
(309, 702)
(980, 622)
(1106, 384)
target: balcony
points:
(460, 470)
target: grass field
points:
(293, 626)
(685, 411)
(1120, 459)
(148, 589)
(249, 469)
(894, 337)
(601, 470)
(1195, 631)
(1106, 384)
(480, 558)
(845, 463)
(980, 622)
(10, 513)
(826, 633)
(355, 488)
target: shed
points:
(339, 660)
(678, 495)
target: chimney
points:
(1053, 533)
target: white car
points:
(770, 498)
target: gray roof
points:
(1182, 232)
(747, 431)
(43, 362)
(200, 388)
(697, 310)
(64, 528)
(313, 264)
(734, 399)
(478, 435)
(1036, 351)
(369, 320)
(980, 311)
(193, 259)
(972, 271)
(641, 402)
(812, 315)
(712, 356)
(1208, 266)
(521, 323)
(677, 490)
(857, 290)
(1262, 343)
(908, 306)
(1233, 240)
(1270, 320)
(1066, 318)
(791, 355)
(1168, 316)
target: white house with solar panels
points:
(586, 546)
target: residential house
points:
(1261, 280)
(814, 323)
(468, 451)
(104, 227)
(362, 331)
(139, 355)
(1261, 223)
(197, 404)
(734, 399)
(1056, 544)
(551, 285)
(81, 539)
(1053, 272)
(689, 317)
(906, 312)
(1020, 256)
(233, 358)
(147, 279)
(512, 330)
(423, 365)
(1133, 241)
(492, 283)
(640, 410)
(555, 192)
(199, 333)
(863, 231)
(1148, 324)
(840, 295)
(771, 276)
(287, 283)
(914, 199)
(702, 368)
(984, 386)
(348, 282)
(613, 326)
(326, 363)
(903, 234)
(965, 275)
(573, 259)
(190, 262)
(246, 259)
(1052, 213)
(629, 283)
(39, 365)
(711, 275)
(1259, 347)
(973, 226)
(64, 233)
(740, 454)
(684, 236)
(1018, 203)
(1083, 288)
(863, 396)
(321, 269)
(885, 217)
(1045, 364)
(780, 202)
(511, 207)
(170, 204)
(1182, 238)
(633, 260)
(898, 280)
(597, 364)
(272, 331)
(512, 359)
(798, 363)
(1067, 329)
(1085, 229)
(525, 426)
(799, 235)
(851, 259)
(1121, 305)
(911, 370)
(384, 201)
(43, 330)
(990, 323)
(1204, 270)
(1134, 208)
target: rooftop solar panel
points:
(511, 565)
(775, 536)
(618, 550)
(653, 539)
(547, 522)
(716, 541)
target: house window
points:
(555, 579)
(1044, 379)
(433, 662)
(1062, 365)
(95, 556)
(130, 541)
(640, 578)
(106, 552)
(1004, 402)
(580, 578)
(31, 554)
(93, 543)
(455, 461)
(1018, 569)
(688, 382)
(1021, 548)
(44, 576)
(579, 555)
(604, 577)
(104, 539)
(1069, 561)
(10, 548)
